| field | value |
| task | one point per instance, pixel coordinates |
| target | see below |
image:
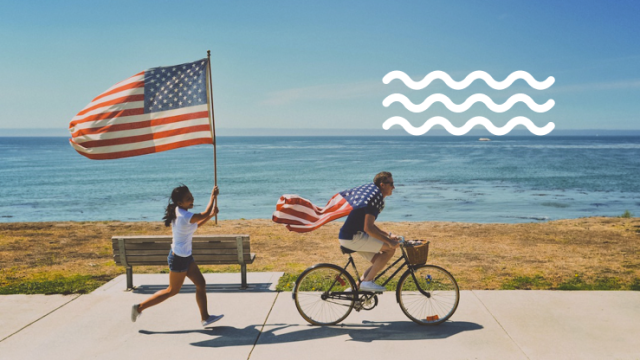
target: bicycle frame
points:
(356, 292)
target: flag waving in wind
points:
(301, 215)
(159, 109)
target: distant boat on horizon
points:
(484, 139)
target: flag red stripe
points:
(121, 100)
(322, 212)
(299, 214)
(148, 150)
(295, 201)
(141, 124)
(286, 221)
(298, 201)
(311, 227)
(134, 85)
(108, 115)
(335, 207)
(145, 137)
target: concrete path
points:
(260, 323)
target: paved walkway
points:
(260, 323)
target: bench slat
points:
(202, 259)
(160, 246)
(195, 252)
(196, 247)
(196, 238)
(168, 241)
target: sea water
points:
(505, 180)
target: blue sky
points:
(294, 64)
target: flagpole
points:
(213, 126)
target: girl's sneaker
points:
(134, 312)
(211, 320)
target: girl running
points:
(181, 263)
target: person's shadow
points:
(368, 331)
(210, 288)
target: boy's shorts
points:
(367, 246)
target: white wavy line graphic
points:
(478, 120)
(459, 85)
(497, 108)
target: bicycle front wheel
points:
(428, 297)
(320, 294)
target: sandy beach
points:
(585, 253)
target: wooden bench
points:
(129, 251)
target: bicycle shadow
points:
(368, 331)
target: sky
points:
(319, 65)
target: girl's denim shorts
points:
(179, 263)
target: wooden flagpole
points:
(213, 126)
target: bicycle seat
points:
(346, 251)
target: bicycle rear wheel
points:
(432, 299)
(315, 296)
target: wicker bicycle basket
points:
(417, 252)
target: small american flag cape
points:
(301, 215)
(159, 109)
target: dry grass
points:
(481, 256)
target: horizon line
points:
(325, 132)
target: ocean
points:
(506, 180)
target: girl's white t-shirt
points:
(182, 233)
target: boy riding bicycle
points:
(324, 293)
(361, 234)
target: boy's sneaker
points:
(371, 286)
(135, 313)
(211, 320)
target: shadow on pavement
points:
(191, 289)
(365, 332)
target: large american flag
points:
(301, 215)
(159, 109)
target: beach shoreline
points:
(584, 253)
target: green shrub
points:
(526, 283)
(578, 283)
(75, 284)
(626, 214)
(287, 281)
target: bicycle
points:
(325, 294)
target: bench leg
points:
(243, 274)
(129, 278)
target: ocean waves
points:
(476, 75)
(478, 120)
(468, 103)
(458, 108)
